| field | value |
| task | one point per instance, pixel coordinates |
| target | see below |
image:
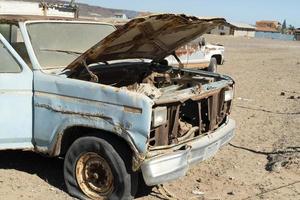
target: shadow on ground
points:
(143, 190)
(48, 169)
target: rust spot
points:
(133, 110)
(187, 50)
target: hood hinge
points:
(94, 77)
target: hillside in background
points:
(92, 11)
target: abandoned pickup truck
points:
(107, 102)
(199, 55)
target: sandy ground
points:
(267, 112)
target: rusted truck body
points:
(64, 93)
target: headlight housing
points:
(228, 95)
(159, 116)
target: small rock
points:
(230, 178)
(244, 99)
(282, 93)
(199, 180)
(196, 192)
(258, 163)
(277, 166)
(291, 97)
(230, 193)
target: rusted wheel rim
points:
(94, 176)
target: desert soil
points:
(261, 162)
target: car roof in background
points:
(15, 19)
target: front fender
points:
(92, 122)
(60, 103)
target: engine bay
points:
(152, 79)
(190, 102)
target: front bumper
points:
(173, 165)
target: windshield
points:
(57, 44)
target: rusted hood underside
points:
(153, 37)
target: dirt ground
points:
(262, 161)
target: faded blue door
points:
(15, 99)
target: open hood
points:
(152, 37)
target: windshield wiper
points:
(63, 51)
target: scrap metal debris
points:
(148, 90)
(287, 157)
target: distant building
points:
(235, 29)
(120, 16)
(221, 30)
(297, 34)
(271, 30)
(36, 8)
(242, 29)
(268, 26)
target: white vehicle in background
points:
(199, 55)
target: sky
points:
(247, 11)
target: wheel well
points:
(120, 144)
(218, 58)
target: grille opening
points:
(208, 114)
(189, 112)
(204, 116)
(152, 138)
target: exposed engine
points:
(187, 103)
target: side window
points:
(7, 62)
(13, 35)
(5, 30)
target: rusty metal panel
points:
(174, 119)
(213, 107)
(162, 135)
(200, 117)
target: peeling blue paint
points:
(60, 103)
